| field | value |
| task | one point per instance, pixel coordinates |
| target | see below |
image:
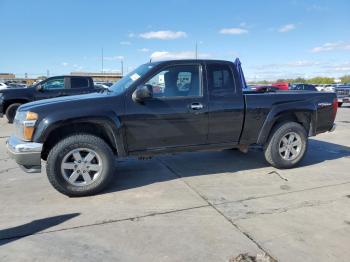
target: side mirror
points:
(39, 88)
(142, 93)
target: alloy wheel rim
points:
(290, 146)
(81, 166)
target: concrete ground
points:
(191, 207)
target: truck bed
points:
(262, 107)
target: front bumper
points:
(26, 154)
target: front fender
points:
(108, 120)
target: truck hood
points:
(14, 90)
(62, 100)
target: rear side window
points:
(79, 82)
(220, 80)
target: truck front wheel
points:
(11, 112)
(287, 145)
(80, 165)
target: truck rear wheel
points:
(80, 165)
(11, 112)
(287, 145)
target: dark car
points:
(201, 105)
(12, 98)
(343, 94)
(267, 88)
(303, 87)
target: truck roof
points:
(190, 60)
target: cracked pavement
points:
(205, 206)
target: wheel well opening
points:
(10, 102)
(302, 118)
(75, 128)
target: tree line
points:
(315, 80)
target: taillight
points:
(335, 107)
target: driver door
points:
(176, 116)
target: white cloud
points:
(164, 55)
(331, 47)
(163, 35)
(131, 35)
(125, 43)
(64, 64)
(78, 67)
(113, 58)
(300, 68)
(316, 7)
(302, 63)
(286, 28)
(233, 31)
(143, 50)
(337, 67)
(292, 64)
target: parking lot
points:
(208, 206)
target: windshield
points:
(130, 78)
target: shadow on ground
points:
(136, 173)
(14, 233)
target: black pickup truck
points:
(12, 98)
(164, 107)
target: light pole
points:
(196, 50)
(102, 59)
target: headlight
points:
(25, 124)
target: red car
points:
(281, 85)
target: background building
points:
(6, 76)
(103, 77)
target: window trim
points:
(200, 72)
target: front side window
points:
(57, 83)
(124, 83)
(177, 81)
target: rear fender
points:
(303, 112)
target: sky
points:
(273, 39)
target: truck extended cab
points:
(164, 107)
(12, 98)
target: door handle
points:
(196, 106)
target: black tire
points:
(271, 152)
(61, 149)
(340, 104)
(11, 112)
